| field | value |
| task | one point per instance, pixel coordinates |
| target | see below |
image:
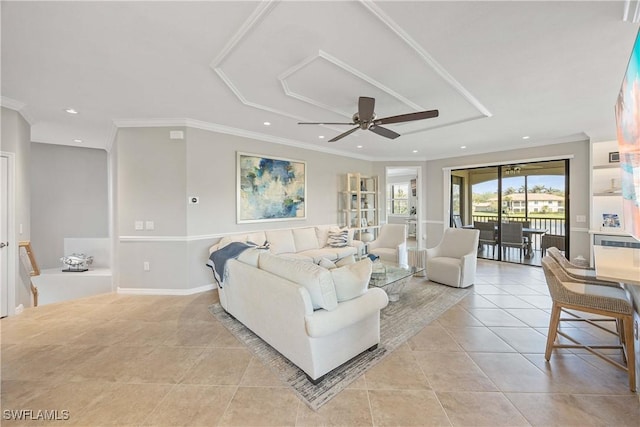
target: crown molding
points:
(428, 59)
(17, 106)
(213, 127)
(263, 9)
(349, 69)
(628, 15)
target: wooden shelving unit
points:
(360, 206)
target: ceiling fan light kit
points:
(365, 119)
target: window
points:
(398, 197)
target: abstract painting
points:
(270, 189)
(628, 132)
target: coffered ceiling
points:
(496, 71)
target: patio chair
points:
(552, 240)
(612, 302)
(487, 235)
(512, 237)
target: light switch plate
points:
(138, 225)
(149, 225)
(581, 218)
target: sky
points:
(553, 181)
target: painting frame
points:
(270, 188)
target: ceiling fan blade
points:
(324, 123)
(387, 133)
(420, 115)
(365, 108)
(342, 135)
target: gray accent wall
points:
(16, 139)
(69, 198)
(155, 177)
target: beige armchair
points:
(391, 244)
(453, 262)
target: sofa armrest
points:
(433, 252)
(321, 322)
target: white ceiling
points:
(496, 71)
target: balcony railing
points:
(553, 225)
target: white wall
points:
(69, 198)
(16, 138)
(156, 175)
(578, 186)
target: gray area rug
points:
(421, 303)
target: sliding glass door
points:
(515, 206)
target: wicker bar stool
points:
(582, 274)
(609, 301)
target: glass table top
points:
(385, 273)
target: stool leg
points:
(627, 324)
(553, 330)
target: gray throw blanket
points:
(218, 259)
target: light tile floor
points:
(154, 360)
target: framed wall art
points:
(270, 188)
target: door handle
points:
(2, 245)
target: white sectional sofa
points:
(318, 318)
(309, 243)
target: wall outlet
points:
(138, 225)
(149, 225)
(146, 266)
(194, 200)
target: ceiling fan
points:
(365, 119)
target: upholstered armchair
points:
(391, 244)
(453, 262)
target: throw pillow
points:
(326, 263)
(352, 280)
(338, 239)
(349, 259)
(315, 279)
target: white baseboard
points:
(155, 291)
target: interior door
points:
(4, 232)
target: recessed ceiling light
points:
(71, 111)
(415, 151)
(526, 137)
(77, 140)
(267, 123)
(462, 147)
(359, 146)
(321, 136)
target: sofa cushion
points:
(349, 259)
(233, 238)
(327, 263)
(322, 233)
(281, 241)
(305, 239)
(315, 279)
(250, 256)
(352, 280)
(296, 256)
(258, 237)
